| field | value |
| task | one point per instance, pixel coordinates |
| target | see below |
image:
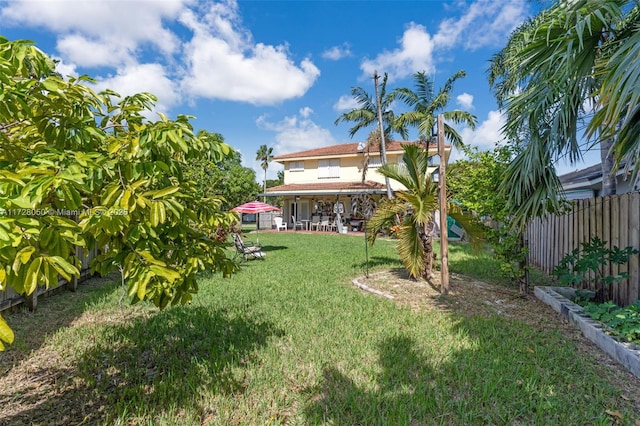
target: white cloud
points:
(216, 59)
(482, 23)
(485, 137)
(296, 133)
(138, 78)
(465, 100)
(65, 69)
(345, 103)
(414, 54)
(487, 134)
(306, 112)
(87, 52)
(336, 53)
(90, 29)
(225, 64)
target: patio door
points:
(300, 210)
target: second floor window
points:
(328, 169)
(296, 166)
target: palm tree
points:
(366, 116)
(574, 54)
(427, 105)
(265, 156)
(416, 206)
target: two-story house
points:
(317, 179)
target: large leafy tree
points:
(79, 168)
(265, 156)
(416, 207)
(276, 201)
(573, 59)
(427, 105)
(365, 116)
(236, 183)
(225, 178)
(474, 183)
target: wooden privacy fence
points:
(614, 219)
(9, 297)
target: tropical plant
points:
(265, 156)
(427, 105)
(572, 59)
(586, 266)
(415, 206)
(366, 115)
(84, 169)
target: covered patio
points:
(344, 205)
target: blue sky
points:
(273, 72)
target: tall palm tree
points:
(427, 105)
(366, 116)
(265, 156)
(416, 206)
(574, 54)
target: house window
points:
(375, 162)
(296, 166)
(328, 169)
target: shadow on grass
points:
(339, 400)
(378, 261)
(146, 366)
(274, 248)
(490, 372)
(54, 312)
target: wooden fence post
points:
(32, 301)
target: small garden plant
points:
(586, 268)
(624, 322)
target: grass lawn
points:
(289, 340)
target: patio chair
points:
(279, 224)
(315, 222)
(332, 226)
(297, 223)
(324, 223)
(246, 249)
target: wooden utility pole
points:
(383, 144)
(444, 233)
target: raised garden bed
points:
(559, 298)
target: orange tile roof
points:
(341, 150)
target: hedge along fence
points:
(9, 298)
(614, 219)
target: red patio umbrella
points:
(255, 207)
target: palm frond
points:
(410, 249)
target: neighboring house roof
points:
(587, 182)
(330, 188)
(345, 149)
(582, 178)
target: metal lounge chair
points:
(247, 250)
